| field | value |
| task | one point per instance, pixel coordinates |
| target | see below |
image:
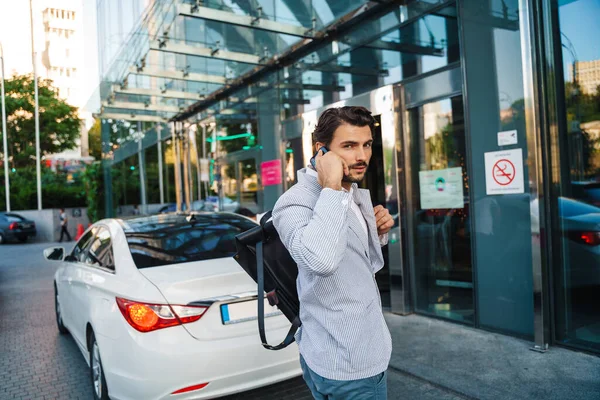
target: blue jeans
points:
(373, 388)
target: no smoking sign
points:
(504, 172)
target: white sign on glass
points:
(441, 189)
(507, 138)
(504, 172)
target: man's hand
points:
(331, 169)
(383, 220)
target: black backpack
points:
(263, 256)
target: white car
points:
(161, 310)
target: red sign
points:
(503, 172)
(271, 172)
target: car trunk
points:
(23, 227)
(220, 284)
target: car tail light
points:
(587, 238)
(146, 317)
(191, 388)
(13, 226)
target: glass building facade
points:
(487, 147)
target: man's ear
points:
(318, 145)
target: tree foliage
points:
(95, 140)
(56, 192)
(59, 121)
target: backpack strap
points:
(267, 216)
(260, 275)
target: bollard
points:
(79, 231)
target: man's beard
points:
(351, 179)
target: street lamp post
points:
(4, 139)
(38, 161)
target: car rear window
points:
(163, 240)
(14, 218)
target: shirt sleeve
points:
(316, 238)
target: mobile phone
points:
(313, 160)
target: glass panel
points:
(577, 278)
(152, 184)
(230, 182)
(169, 170)
(293, 161)
(249, 184)
(495, 102)
(441, 239)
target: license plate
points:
(26, 226)
(235, 313)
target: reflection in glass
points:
(230, 185)
(441, 240)
(249, 184)
(577, 278)
(152, 176)
(293, 161)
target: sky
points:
(580, 23)
(15, 36)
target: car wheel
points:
(2, 239)
(59, 321)
(96, 371)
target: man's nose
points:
(361, 155)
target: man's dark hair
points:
(332, 118)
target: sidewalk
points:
(476, 364)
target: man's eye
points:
(369, 145)
(348, 146)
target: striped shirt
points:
(343, 334)
(383, 239)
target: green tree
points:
(59, 122)
(95, 140)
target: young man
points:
(63, 225)
(334, 234)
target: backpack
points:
(263, 256)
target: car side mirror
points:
(55, 253)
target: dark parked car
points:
(15, 227)
(588, 192)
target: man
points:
(334, 234)
(63, 225)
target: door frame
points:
(439, 84)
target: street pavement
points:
(38, 363)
